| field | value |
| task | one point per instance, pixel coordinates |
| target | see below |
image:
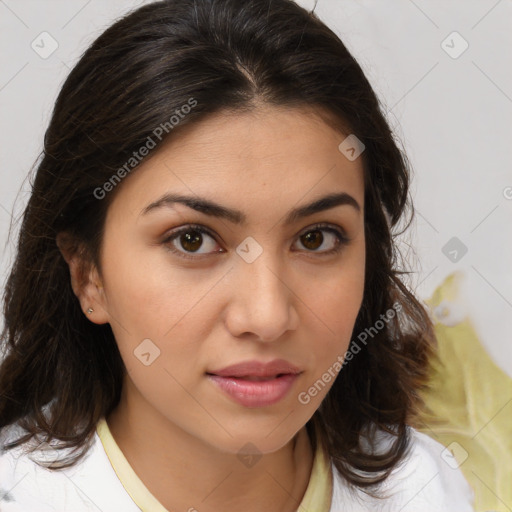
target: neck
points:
(184, 473)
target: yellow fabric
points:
(317, 497)
(470, 402)
(319, 491)
(138, 492)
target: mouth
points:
(253, 391)
(251, 378)
(256, 383)
(257, 369)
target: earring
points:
(90, 310)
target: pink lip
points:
(257, 369)
(255, 393)
(234, 380)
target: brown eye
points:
(323, 240)
(191, 240)
(312, 240)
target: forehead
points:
(274, 155)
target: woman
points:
(205, 311)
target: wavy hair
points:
(229, 55)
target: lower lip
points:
(251, 393)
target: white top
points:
(427, 481)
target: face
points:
(189, 292)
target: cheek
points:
(339, 310)
(146, 294)
(338, 313)
(336, 306)
(337, 296)
(159, 310)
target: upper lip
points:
(257, 369)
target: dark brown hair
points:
(229, 55)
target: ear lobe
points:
(92, 296)
(85, 281)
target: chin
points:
(256, 440)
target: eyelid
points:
(333, 228)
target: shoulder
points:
(26, 485)
(427, 479)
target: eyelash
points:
(342, 239)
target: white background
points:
(453, 116)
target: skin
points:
(179, 431)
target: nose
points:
(263, 302)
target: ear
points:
(85, 279)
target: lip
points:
(239, 381)
(257, 369)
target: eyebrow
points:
(213, 209)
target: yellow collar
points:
(317, 497)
